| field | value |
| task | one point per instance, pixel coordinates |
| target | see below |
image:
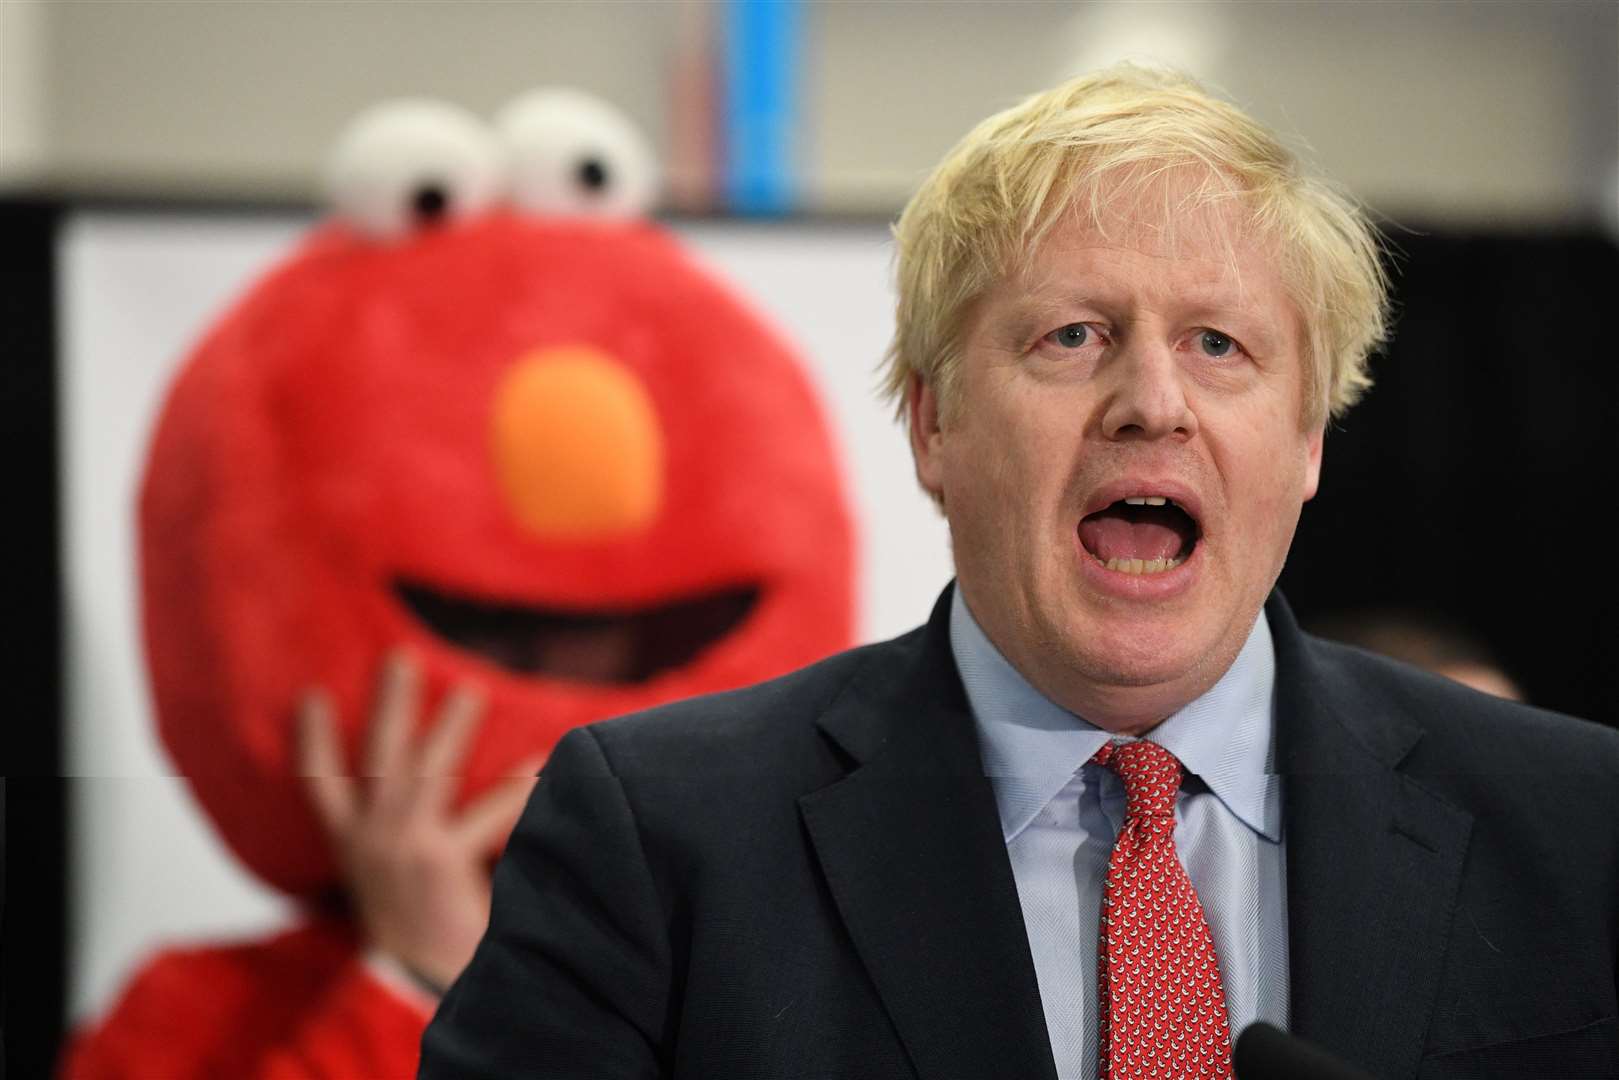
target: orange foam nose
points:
(577, 445)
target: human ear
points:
(1312, 464)
(927, 438)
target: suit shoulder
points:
(774, 716)
(1463, 723)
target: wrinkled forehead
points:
(1203, 256)
(1185, 215)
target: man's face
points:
(1139, 365)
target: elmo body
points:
(548, 454)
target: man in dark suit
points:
(1109, 805)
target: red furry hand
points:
(418, 873)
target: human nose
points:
(1147, 398)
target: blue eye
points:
(1215, 343)
(1071, 336)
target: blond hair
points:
(1081, 145)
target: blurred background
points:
(1476, 113)
(156, 156)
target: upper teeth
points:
(1145, 500)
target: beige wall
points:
(1433, 109)
(1501, 110)
(22, 88)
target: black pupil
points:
(592, 174)
(1072, 335)
(429, 203)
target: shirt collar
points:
(1032, 747)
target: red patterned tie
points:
(1162, 1011)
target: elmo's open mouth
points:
(594, 646)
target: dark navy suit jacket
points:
(807, 878)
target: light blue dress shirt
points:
(1060, 816)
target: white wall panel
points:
(137, 289)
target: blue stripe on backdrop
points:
(762, 56)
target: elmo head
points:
(492, 414)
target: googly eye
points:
(411, 164)
(574, 155)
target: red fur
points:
(294, 1007)
(332, 432)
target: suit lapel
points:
(910, 844)
(911, 847)
(1373, 864)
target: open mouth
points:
(595, 646)
(1142, 534)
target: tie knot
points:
(1151, 775)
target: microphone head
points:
(1266, 1052)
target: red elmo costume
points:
(547, 453)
